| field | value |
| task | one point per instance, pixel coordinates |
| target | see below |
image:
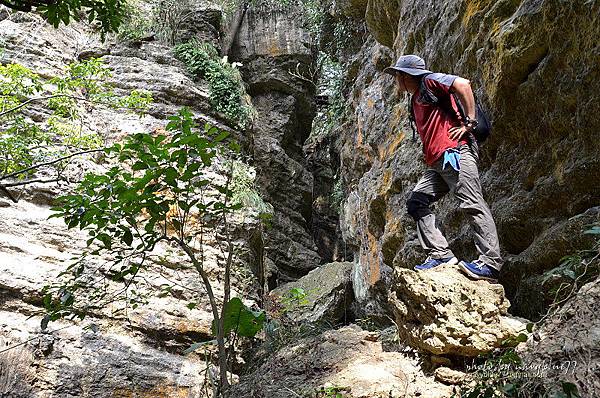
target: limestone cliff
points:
(109, 354)
(275, 50)
(535, 71)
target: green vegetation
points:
(574, 270)
(25, 143)
(227, 93)
(332, 392)
(137, 23)
(106, 14)
(330, 84)
(159, 191)
(503, 374)
(294, 299)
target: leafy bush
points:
(226, 86)
(25, 142)
(137, 23)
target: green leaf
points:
(522, 337)
(239, 318)
(45, 321)
(171, 176)
(127, 237)
(139, 165)
(530, 326)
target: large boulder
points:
(326, 294)
(348, 359)
(441, 311)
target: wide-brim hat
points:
(411, 64)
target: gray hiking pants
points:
(466, 187)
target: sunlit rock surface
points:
(348, 358)
(536, 72)
(441, 311)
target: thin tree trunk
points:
(224, 383)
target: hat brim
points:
(392, 70)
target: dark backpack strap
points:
(411, 119)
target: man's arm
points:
(462, 88)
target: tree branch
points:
(30, 100)
(20, 183)
(36, 166)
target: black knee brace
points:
(417, 205)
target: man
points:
(451, 154)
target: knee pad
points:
(417, 205)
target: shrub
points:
(227, 92)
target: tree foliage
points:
(25, 142)
(160, 189)
(227, 93)
(106, 14)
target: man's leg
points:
(429, 188)
(469, 193)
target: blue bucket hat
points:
(411, 64)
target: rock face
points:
(567, 347)
(539, 169)
(347, 358)
(441, 311)
(272, 45)
(328, 294)
(136, 353)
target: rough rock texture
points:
(567, 347)
(136, 353)
(73, 362)
(441, 311)
(449, 376)
(272, 43)
(348, 358)
(329, 294)
(527, 62)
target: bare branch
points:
(37, 166)
(27, 182)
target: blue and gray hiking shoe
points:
(434, 262)
(479, 270)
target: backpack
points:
(481, 132)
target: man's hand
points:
(456, 133)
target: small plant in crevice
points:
(332, 392)
(227, 92)
(294, 299)
(574, 271)
(337, 195)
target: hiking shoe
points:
(479, 270)
(434, 262)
